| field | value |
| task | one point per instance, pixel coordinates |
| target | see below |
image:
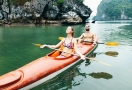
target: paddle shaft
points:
(62, 51)
(93, 42)
(75, 55)
(86, 57)
(105, 43)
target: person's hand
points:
(42, 46)
(94, 44)
(83, 57)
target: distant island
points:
(114, 10)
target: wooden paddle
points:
(106, 43)
(76, 55)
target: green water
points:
(16, 50)
(16, 44)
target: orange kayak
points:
(41, 70)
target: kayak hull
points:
(40, 70)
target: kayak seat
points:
(61, 58)
(57, 52)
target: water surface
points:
(16, 50)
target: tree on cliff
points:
(114, 10)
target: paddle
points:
(106, 43)
(76, 55)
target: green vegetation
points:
(59, 2)
(78, 1)
(114, 8)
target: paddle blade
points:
(37, 44)
(111, 43)
(60, 38)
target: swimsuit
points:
(69, 45)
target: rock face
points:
(114, 10)
(43, 11)
(71, 18)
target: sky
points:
(93, 4)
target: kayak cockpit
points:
(55, 55)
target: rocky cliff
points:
(43, 11)
(114, 10)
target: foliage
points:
(58, 2)
(128, 11)
(78, 1)
(114, 8)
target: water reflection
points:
(67, 80)
(61, 81)
(64, 81)
(126, 27)
(99, 75)
(116, 22)
(111, 53)
(125, 33)
(92, 55)
(87, 62)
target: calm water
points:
(16, 50)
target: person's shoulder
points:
(74, 39)
(83, 34)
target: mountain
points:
(43, 11)
(114, 10)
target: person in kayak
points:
(69, 45)
(87, 37)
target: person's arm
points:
(94, 39)
(53, 46)
(77, 51)
(80, 37)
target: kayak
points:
(41, 69)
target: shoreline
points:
(27, 24)
(54, 23)
(43, 23)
